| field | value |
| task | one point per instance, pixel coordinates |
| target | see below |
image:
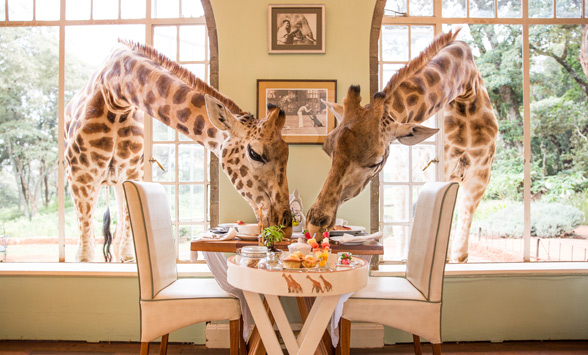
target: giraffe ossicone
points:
(105, 141)
(443, 77)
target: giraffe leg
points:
(85, 205)
(124, 250)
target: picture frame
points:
(296, 28)
(308, 120)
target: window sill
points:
(498, 269)
(92, 269)
(202, 270)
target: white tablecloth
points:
(217, 262)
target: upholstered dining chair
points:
(166, 302)
(412, 302)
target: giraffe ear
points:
(276, 117)
(220, 116)
(337, 110)
(411, 133)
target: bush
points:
(548, 220)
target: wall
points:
(243, 58)
(105, 308)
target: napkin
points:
(230, 235)
(348, 238)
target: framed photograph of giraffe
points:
(308, 119)
(296, 28)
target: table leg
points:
(263, 323)
(317, 321)
(283, 323)
(326, 345)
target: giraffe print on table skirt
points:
(444, 76)
(105, 140)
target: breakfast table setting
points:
(322, 272)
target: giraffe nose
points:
(286, 219)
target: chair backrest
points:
(150, 218)
(427, 250)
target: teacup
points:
(248, 229)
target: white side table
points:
(326, 286)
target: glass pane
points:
(47, 10)
(191, 207)
(29, 81)
(396, 204)
(190, 162)
(192, 43)
(2, 11)
(559, 149)
(165, 154)
(162, 133)
(510, 8)
(165, 41)
(569, 9)
(396, 167)
(165, 8)
(421, 7)
(540, 8)
(187, 232)
(395, 43)
(388, 71)
(198, 69)
(192, 8)
(420, 38)
(77, 9)
(130, 9)
(454, 8)
(20, 10)
(422, 155)
(395, 242)
(395, 8)
(482, 8)
(105, 9)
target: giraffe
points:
(316, 286)
(444, 76)
(104, 137)
(328, 285)
(295, 285)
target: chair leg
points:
(242, 344)
(437, 349)
(144, 348)
(417, 344)
(163, 346)
(343, 348)
(234, 336)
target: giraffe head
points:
(358, 148)
(254, 157)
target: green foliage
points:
(548, 220)
(272, 235)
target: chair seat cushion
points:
(389, 288)
(192, 288)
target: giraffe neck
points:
(450, 75)
(132, 80)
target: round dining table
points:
(326, 284)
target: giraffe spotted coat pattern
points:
(104, 136)
(443, 77)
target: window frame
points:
(380, 19)
(211, 64)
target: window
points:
(528, 54)
(48, 59)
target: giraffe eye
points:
(374, 166)
(254, 155)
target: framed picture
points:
(308, 120)
(296, 28)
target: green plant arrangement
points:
(272, 235)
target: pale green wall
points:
(243, 56)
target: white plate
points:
(338, 237)
(354, 229)
(246, 237)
